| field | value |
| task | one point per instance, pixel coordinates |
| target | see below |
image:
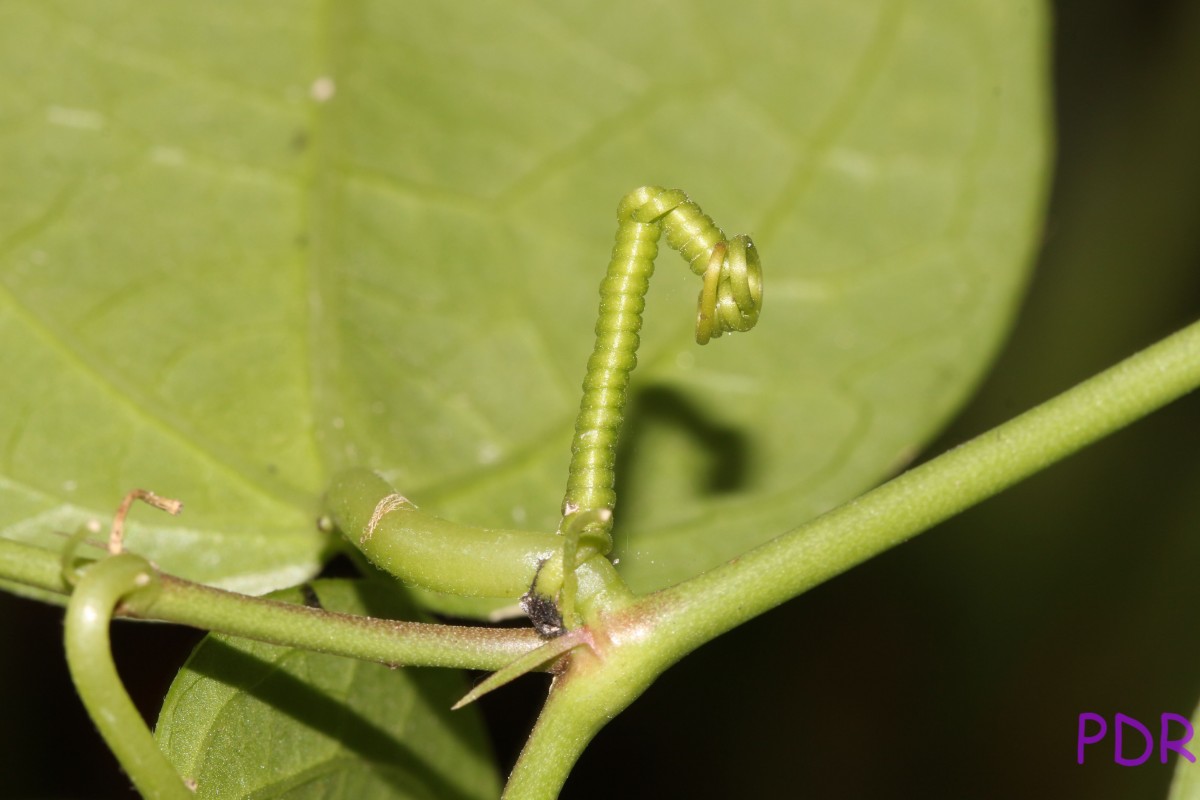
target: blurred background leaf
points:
(244, 718)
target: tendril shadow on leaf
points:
(726, 448)
(391, 759)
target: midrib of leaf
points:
(317, 289)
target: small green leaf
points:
(245, 719)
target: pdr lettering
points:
(1129, 735)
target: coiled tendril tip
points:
(730, 300)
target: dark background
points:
(956, 665)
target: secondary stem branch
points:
(387, 641)
(392, 642)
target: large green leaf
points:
(245, 719)
(242, 245)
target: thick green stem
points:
(687, 615)
(599, 683)
(563, 731)
(445, 556)
(431, 552)
(89, 658)
(32, 566)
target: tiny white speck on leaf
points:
(167, 156)
(323, 89)
(79, 118)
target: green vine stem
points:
(600, 682)
(393, 642)
(699, 610)
(641, 641)
(34, 567)
(89, 659)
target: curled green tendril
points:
(98, 591)
(730, 300)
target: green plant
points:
(212, 408)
